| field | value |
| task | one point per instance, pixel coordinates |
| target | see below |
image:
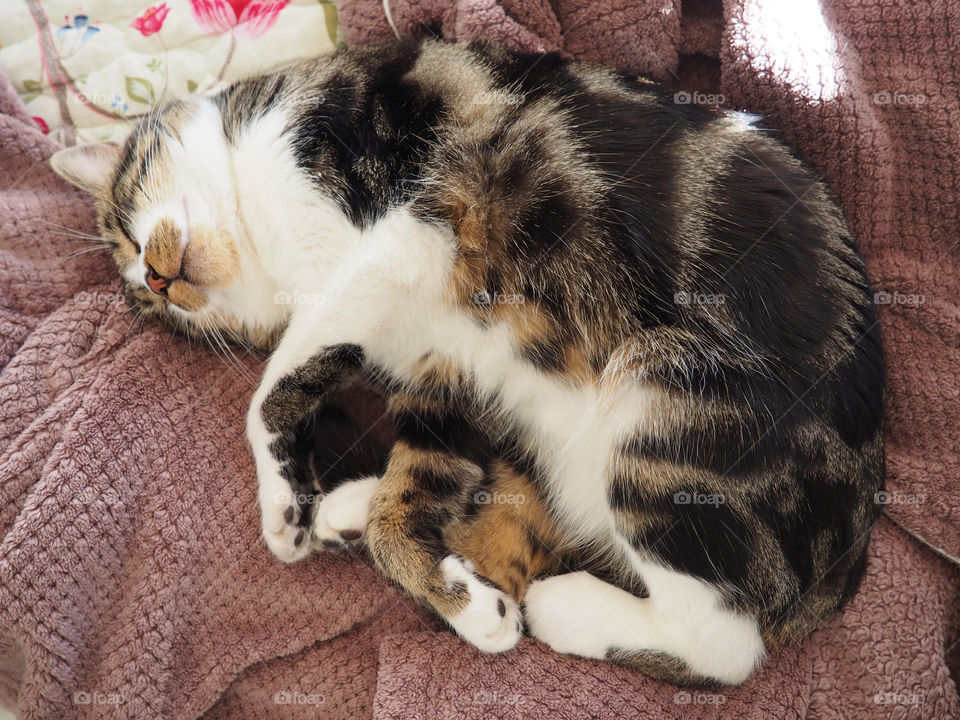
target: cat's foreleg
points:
(298, 379)
(396, 261)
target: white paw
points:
(341, 518)
(567, 613)
(279, 517)
(491, 621)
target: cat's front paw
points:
(340, 521)
(281, 513)
(491, 620)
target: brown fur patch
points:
(438, 372)
(211, 259)
(186, 296)
(513, 538)
(468, 278)
(481, 228)
(396, 528)
(528, 321)
(164, 250)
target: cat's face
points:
(166, 205)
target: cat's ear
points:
(89, 167)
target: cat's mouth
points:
(180, 292)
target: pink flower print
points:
(246, 18)
(151, 20)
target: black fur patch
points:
(444, 431)
(297, 395)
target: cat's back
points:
(689, 212)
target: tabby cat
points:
(628, 344)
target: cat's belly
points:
(572, 428)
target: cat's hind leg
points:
(511, 536)
(433, 475)
(420, 493)
(681, 632)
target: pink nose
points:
(156, 281)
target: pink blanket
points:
(133, 582)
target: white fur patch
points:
(344, 510)
(582, 615)
(276, 496)
(481, 623)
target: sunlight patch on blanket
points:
(791, 40)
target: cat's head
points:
(166, 205)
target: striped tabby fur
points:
(628, 344)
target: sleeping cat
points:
(628, 344)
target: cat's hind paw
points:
(491, 620)
(340, 522)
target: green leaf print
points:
(140, 89)
(330, 18)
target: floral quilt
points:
(87, 68)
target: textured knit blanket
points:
(134, 584)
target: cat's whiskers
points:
(137, 322)
(213, 335)
(78, 238)
(70, 232)
(131, 309)
(83, 251)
